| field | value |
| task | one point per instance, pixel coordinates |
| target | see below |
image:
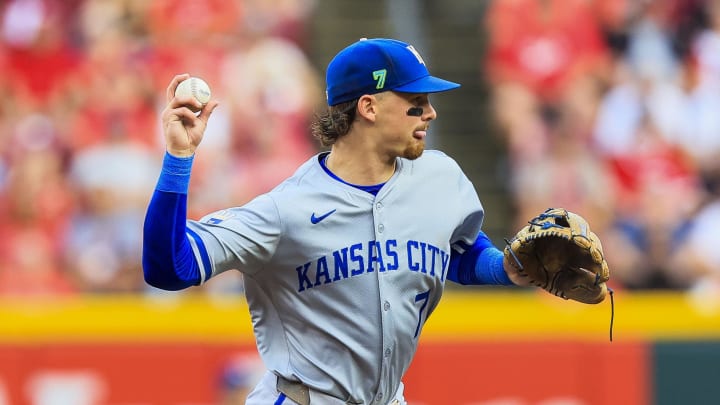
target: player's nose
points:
(429, 113)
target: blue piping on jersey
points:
(202, 251)
(373, 189)
(481, 263)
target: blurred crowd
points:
(611, 108)
(83, 84)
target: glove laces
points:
(612, 311)
(612, 305)
(610, 290)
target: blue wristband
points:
(489, 268)
(175, 174)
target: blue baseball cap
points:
(375, 65)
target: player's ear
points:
(367, 107)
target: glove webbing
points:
(610, 290)
(545, 225)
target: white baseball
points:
(194, 87)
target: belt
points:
(300, 392)
(294, 390)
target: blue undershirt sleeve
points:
(481, 263)
(167, 257)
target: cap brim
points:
(427, 84)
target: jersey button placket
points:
(384, 304)
(378, 208)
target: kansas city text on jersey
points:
(361, 258)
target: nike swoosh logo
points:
(315, 219)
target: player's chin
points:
(415, 150)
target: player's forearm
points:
(481, 263)
(168, 260)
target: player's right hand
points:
(182, 128)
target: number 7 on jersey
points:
(423, 296)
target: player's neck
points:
(358, 166)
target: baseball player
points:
(345, 260)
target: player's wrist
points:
(490, 268)
(180, 153)
(513, 273)
(175, 173)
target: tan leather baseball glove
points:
(558, 252)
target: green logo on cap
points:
(379, 75)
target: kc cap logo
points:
(370, 66)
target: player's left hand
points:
(558, 253)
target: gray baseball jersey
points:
(340, 282)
